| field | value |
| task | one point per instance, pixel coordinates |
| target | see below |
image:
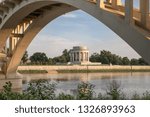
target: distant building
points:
(79, 55)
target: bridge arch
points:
(137, 39)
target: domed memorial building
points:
(79, 55)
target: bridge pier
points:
(16, 84)
(15, 80)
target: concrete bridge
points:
(22, 20)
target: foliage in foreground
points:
(44, 90)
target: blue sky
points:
(78, 28)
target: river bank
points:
(81, 69)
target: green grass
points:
(103, 70)
(83, 71)
(32, 71)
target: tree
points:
(116, 60)
(125, 61)
(64, 58)
(50, 61)
(134, 61)
(142, 61)
(104, 60)
(66, 55)
(95, 57)
(25, 58)
(106, 57)
(39, 58)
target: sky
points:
(77, 28)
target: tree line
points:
(40, 58)
(105, 57)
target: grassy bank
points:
(32, 71)
(103, 70)
(82, 71)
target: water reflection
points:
(67, 82)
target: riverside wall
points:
(79, 67)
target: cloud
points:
(51, 45)
(69, 15)
(115, 45)
(54, 45)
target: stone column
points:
(74, 57)
(18, 32)
(129, 11)
(114, 4)
(144, 9)
(81, 56)
(12, 44)
(26, 25)
(78, 56)
(21, 29)
(119, 2)
(88, 56)
(71, 57)
(100, 3)
(84, 56)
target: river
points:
(67, 82)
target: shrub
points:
(114, 91)
(63, 96)
(40, 90)
(85, 91)
(146, 96)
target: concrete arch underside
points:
(138, 39)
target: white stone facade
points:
(79, 55)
